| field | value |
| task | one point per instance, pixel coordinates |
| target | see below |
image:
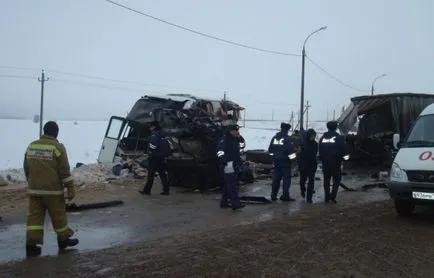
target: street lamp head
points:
(323, 28)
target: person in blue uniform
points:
(282, 150)
(308, 164)
(158, 151)
(332, 151)
(229, 160)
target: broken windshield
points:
(422, 133)
(144, 108)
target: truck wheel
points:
(404, 208)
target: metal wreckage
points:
(369, 124)
(375, 119)
(194, 126)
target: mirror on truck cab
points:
(396, 140)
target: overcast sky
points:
(364, 39)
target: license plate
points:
(423, 195)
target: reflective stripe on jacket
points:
(47, 167)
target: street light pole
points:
(303, 59)
(375, 80)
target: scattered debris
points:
(74, 207)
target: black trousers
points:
(309, 176)
(154, 166)
(329, 173)
(281, 173)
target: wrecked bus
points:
(193, 124)
(378, 118)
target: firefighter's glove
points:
(70, 192)
(229, 168)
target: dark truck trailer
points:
(379, 117)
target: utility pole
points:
(334, 114)
(307, 114)
(41, 113)
(224, 96)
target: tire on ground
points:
(404, 208)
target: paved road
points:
(145, 218)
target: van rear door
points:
(111, 139)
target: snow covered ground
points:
(83, 141)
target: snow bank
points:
(12, 176)
(85, 174)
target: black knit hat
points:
(233, 127)
(332, 125)
(51, 128)
(285, 126)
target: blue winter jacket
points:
(332, 149)
(281, 148)
(158, 145)
(229, 150)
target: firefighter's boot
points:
(33, 251)
(70, 242)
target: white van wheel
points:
(404, 207)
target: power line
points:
(141, 90)
(131, 82)
(233, 43)
(113, 80)
(19, 68)
(203, 34)
(333, 77)
(17, 76)
(90, 84)
(95, 85)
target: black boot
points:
(70, 242)
(145, 192)
(33, 251)
(238, 207)
(286, 199)
(164, 193)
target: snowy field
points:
(83, 140)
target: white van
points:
(412, 174)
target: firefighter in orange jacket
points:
(47, 171)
